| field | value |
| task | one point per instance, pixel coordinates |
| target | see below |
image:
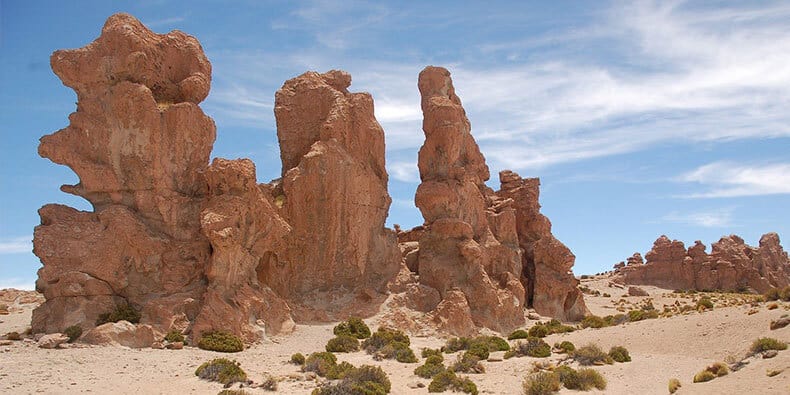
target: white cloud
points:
(26, 284)
(727, 179)
(404, 171)
(165, 21)
(717, 218)
(16, 245)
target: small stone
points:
(157, 345)
(780, 323)
(415, 385)
(175, 346)
(5, 342)
(769, 354)
(310, 376)
(52, 340)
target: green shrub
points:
(233, 392)
(767, 343)
(427, 352)
(555, 326)
(343, 343)
(382, 337)
(220, 341)
(542, 383)
(457, 344)
(619, 354)
(705, 302)
(447, 380)
(704, 376)
(583, 379)
(617, 319)
(719, 369)
(478, 350)
(297, 359)
(771, 294)
(565, 347)
(433, 366)
(354, 326)
(784, 294)
(124, 312)
(591, 355)
(365, 380)
(325, 364)
(532, 347)
(518, 334)
(673, 385)
(467, 363)
(174, 336)
(538, 330)
(73, 332)
(398, 351)
(495, 343)
(593, 321)
(221, 370)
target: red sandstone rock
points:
(121, 333)
(732, 265)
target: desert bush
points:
(704, 376)
(343, 343)
(397, 351)
(555, 326)
(433, 366)
(719, 369)
(784, 294)
(269, 384)
(448, 380)
(325, 364)
(518, 334)
(124, 312)
(233, 392)
(619, 354)
(297, 359)
(538, 330)
(354, 327)
(565, 347)
(495, 343)
(467, 363)
(542, 383)
(617, 319)
(222, 370)
(382, 337)
(593, 321)
(364, 380)
(583, 379)
(491, 343)
(457, 344)
(705, 302)
(478, 351)
(532, 347)
(767, 343)
(73, 332)
(174, 336)
(220, 341)
(427, 352)
(591, 354)
(673, 385)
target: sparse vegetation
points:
(541, 383)
(565, 347)
(705, 303)
(269, 383)
(704, 376)
(174, 336)
(297, 359)
(354, 327)
(467, 363)
(427, 352)
(364, 380)
(518, 334)
(778, 294)
(325, 364)
(343, 343)
(221, 370)
(591, 354)
(490, 343)
(532, 347)
(583, 379)
(544, 329)
(73, 332)
(767, 343)
(718, 369)
(124, 312)
(619, 354)
(448, 380)
(433, 366)
(220, 341)
(674, 385)
(593, 321)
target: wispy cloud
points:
(164, 21)
(716, 218)
(27, 284)
(16, 245)
(404, 171)
(727, 179)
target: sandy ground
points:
(663, 348)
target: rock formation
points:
(731, 266)
(197, 247)
(479, 248)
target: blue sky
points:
(641, 118)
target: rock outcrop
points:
(489, 254)
(732, 265)
(197, 247)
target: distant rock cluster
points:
(196, 246)
(732, 265)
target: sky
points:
(640, 118)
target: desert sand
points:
(661, 349)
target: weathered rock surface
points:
(732, 265)
(52, 340)
(477, 244)
(121, 333)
